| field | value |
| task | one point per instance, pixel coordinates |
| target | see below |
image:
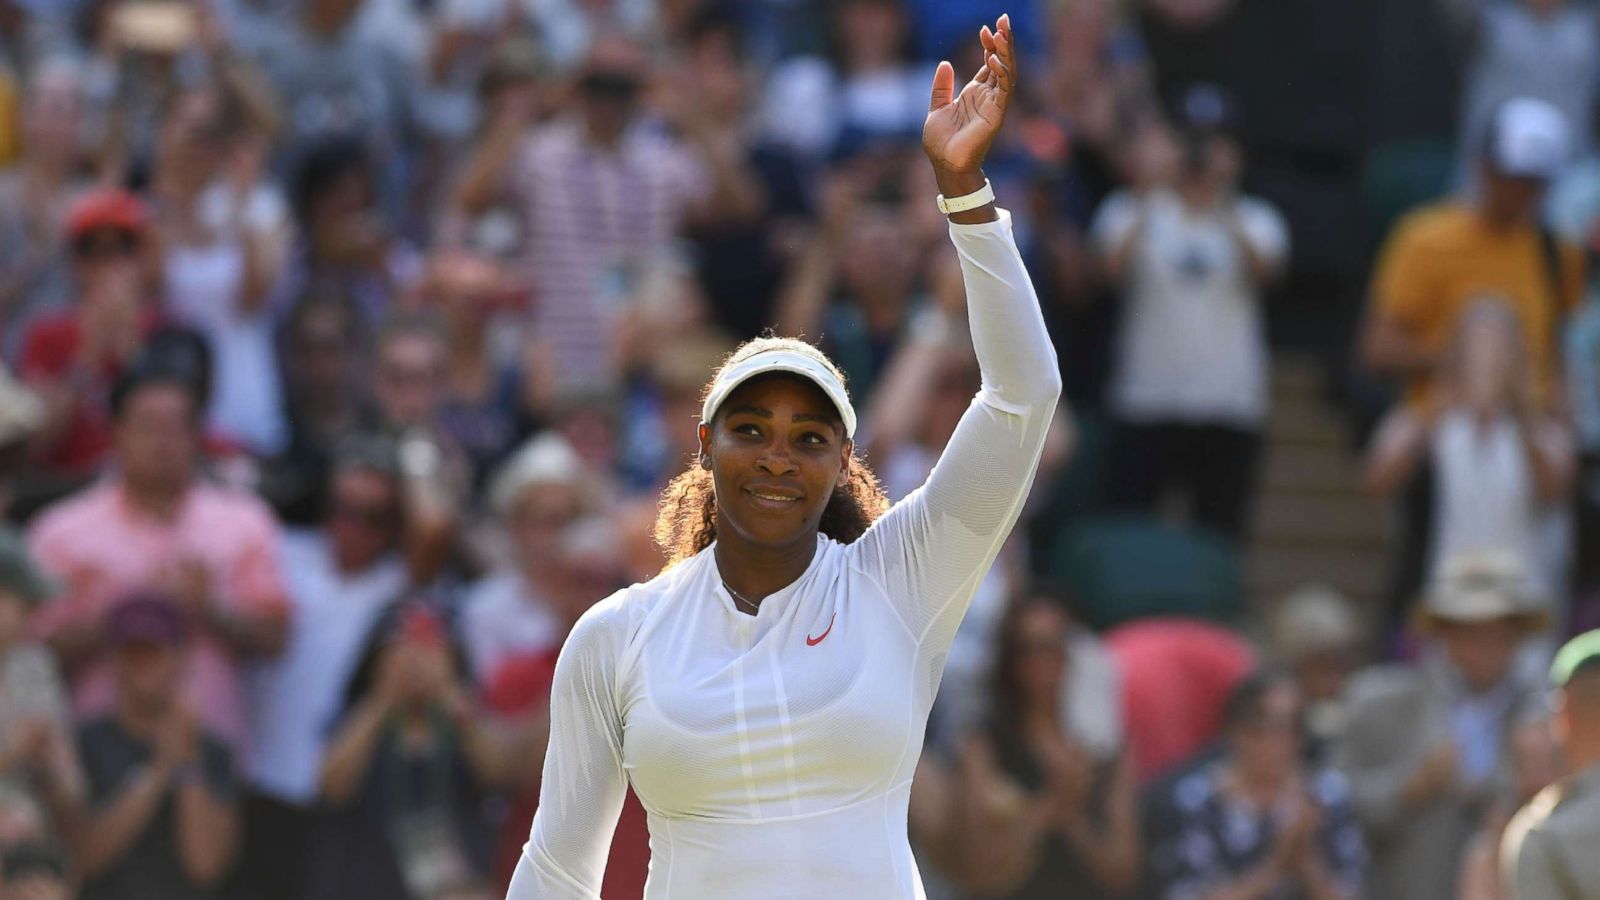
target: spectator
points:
(1190, 390)
(405, 768)
(323, 361)
(36, 870)
(1441, 258)
(342, 577)
(156, 524)
(73, 357)
(1315, 634)
(600, 196)
(1177, 675)
(1426, 745)
(21, 414)
(537, 495)
(1549, 846)
(222, 247)
(1257, 821)
(35, 194)
(165, 823)
(1535, 764)
(1042, 809)
(1501, 466)
(37, 758)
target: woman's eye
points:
(811, 437)
(746, 428)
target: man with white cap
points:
(1549, 851)
(1440, 257)
(1426, 747)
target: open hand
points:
(961, 127)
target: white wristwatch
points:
(980, 197)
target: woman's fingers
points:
(987, 38)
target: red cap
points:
(107, 208)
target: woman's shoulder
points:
(619, 620)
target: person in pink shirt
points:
(154, 523)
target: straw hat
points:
(545, 459)
(1312, 619)
(1482, 586)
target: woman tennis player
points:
(766, 695)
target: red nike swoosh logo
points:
(813, 641)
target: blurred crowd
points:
(347, 345)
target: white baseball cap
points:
(1527, 139)
(781, 360)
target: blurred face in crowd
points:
(955, 384)
(409, 380)
(1267, 744)
(157, 437)
(466, 288)
(590, 564)
(363, 517)
(777, 450)
(331, 15)
(1577, 719)
(342, 224)
(192, 139)
(880, 265)
(148, 676)
(1535, 759)
(321, 349)
(719, 74)
(1507, 200)
(872, 33)
(543, 512)
(13, 615)
(608, 90)
(107, 264)
(1154, 154)
(54, 114)
(1040, 647)
(1481, 651)
(1322, 674)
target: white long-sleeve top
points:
(774, 752)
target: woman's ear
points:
(846, 451)
(704, 433)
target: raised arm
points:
(930, 551)
(583, 785)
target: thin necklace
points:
(740, 597)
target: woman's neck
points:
(752, 571)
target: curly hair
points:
(687, 520)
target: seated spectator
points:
(1427, 746)
(72, 358)
(1257, 821)
(341, 578)
(156, 524)
(1038, 809)
(1193, 258)
(164, 821)
(37, 760)
(1501, 468)
(1176, 676)
(404, 774)
(1314, 633)
(537, 495)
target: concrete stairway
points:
(1312, 523)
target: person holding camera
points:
(1192, 257)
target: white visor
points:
(787, 361)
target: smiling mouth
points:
(771, 498)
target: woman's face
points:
(777, 449)
(1269, 744)
(1041, 651)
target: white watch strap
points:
(980, 197)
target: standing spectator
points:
(537, 495)
(1501, 466)
(1258, 822)
(600, 195)
(153, 524)
(35, 193)
(1549, 849)
(1441, 258)
(1426, 745)
(220, 256)
(37, 758)
(1041, 811)
(1190, 390)
(406, 766)
(341, 578)
(1549, 49)
(73, 357)
(164, 822)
